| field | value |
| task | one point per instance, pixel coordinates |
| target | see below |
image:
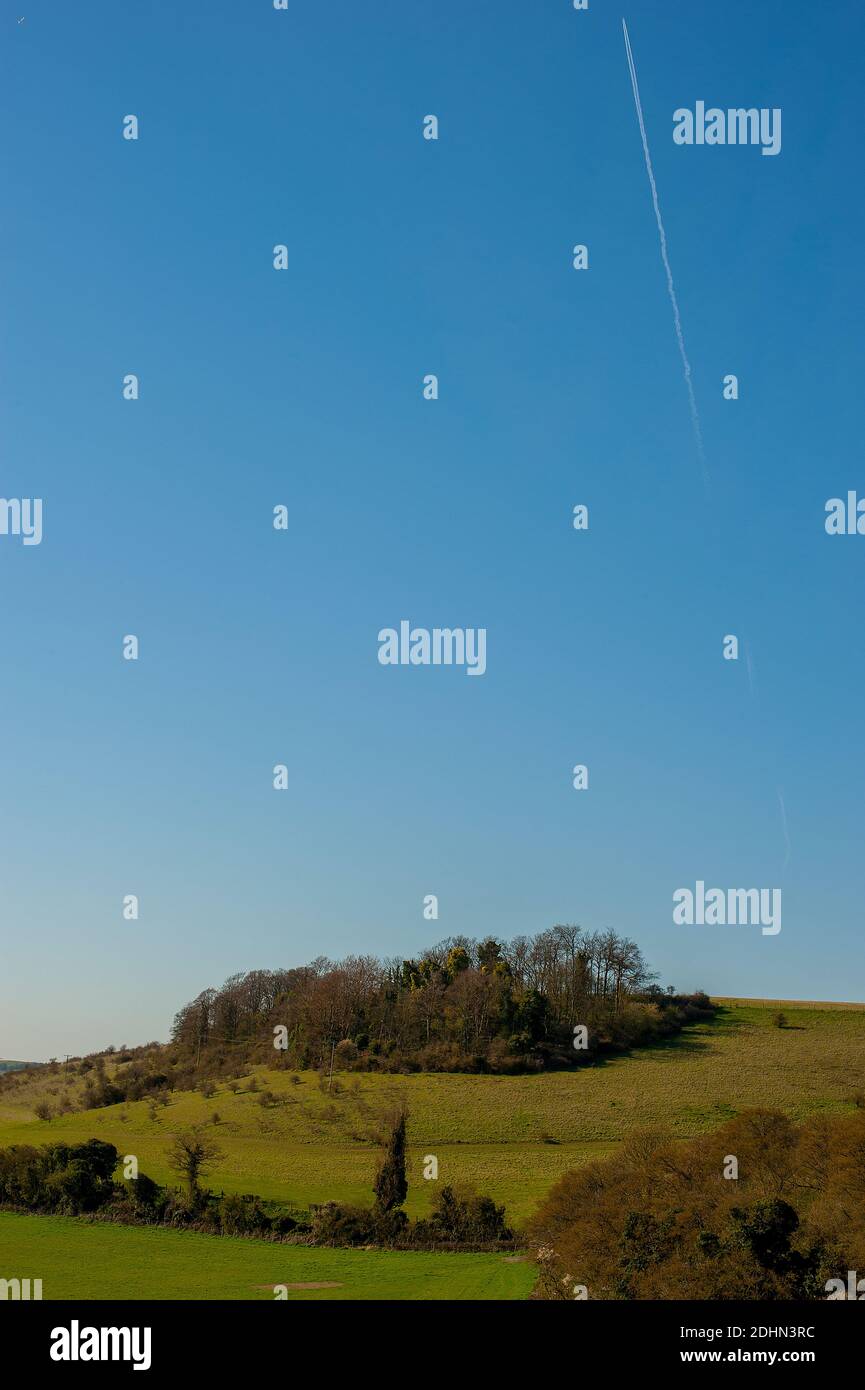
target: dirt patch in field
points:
(516, 1259)
(325, 1284)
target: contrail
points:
(750, 668)
(695, 417)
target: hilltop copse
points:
(461, 1006)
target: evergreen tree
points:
(391, 1185)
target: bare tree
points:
(191, 1155)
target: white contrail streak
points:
(680, 337)
(750, 668)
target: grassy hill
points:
(509, 1136)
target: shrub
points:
(464, 1219)
(142, 1196)
(336, 1225)
(242, 1215)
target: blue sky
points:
(303, 387)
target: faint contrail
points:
(695, 417)
(750, 668)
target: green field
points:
(76, 1259)
(510, 1137)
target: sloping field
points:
(510, 1136)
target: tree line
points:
(79, 1179)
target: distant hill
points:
(734, 1000)
(15, 1066)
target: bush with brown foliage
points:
(661, 1220)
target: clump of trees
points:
(462, 1005)
(759, 1209)
(131, 1079)
(78, 1179)
(462, 1220)
(64, 1178)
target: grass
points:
(77, 1259)
(510, 1137)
